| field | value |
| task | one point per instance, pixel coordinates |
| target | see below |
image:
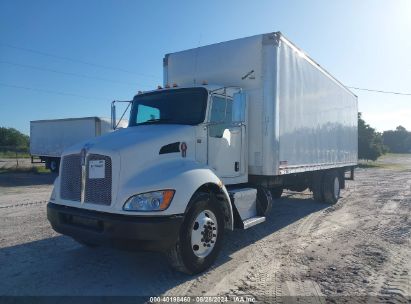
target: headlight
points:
(150, 201)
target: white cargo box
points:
(300, 117)
(50, 137)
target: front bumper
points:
(115, 230)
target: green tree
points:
(398, 140)
(13, 140)
(370, 142)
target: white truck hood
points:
(133, 151)
(149, 138)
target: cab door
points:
(226, 137)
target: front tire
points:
(201, 236)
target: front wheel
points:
(201, 236)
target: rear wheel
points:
(264, 201)
(331, 187)
(201, 236)
(54, 164)
(276, 192)
(86, 244)
(317, 187)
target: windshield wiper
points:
(153, 121)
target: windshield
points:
(178, 106)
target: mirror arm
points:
(113, 115)
(115, 124)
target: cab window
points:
(220, 116)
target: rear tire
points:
(86, 244)
(54, 165)
(276, 192)
(331, 187)
(264, 201)
(205, 220)
(317, 187)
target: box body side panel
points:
(317, 116)
(300, 117)
(51, 137)
(226, 64)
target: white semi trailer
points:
(235, 124)
(49, 138)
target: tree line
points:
(371, 144)
(12, 140)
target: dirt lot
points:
(359, 247)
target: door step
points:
(252, 221)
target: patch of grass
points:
(10, 154)
(32, 169)
(381, 165)
(368, 164)
(396, 155)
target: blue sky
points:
(362, 43)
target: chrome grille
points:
(98, 190)
(71, 178)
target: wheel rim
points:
(336, 188)
(204, 233)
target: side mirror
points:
(114, 123)
(239, 107)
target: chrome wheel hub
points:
(204, 233)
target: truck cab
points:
(161, 183)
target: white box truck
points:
(235, 124)
(49, 138)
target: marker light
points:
(150, 201)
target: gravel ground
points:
(359, 247)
